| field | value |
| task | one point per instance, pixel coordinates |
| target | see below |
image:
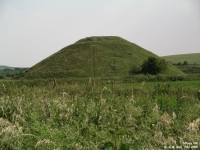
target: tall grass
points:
(94, 115)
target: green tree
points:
(153, 66)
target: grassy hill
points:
(193, 58)
(94, 57)
(8, 72)
(5, 67)
(191, 67)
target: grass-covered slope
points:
(94, 57)
(191, 67)
(193, 58)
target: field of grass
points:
(193, 58)
(192, 65)
(190, 69)
(45, 114)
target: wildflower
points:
(65, 94)
(106, 89)
(165, 119)
(7, 129)
(155, 108)
(43, 142)
(194, 126)
(174, 115)
(159, 137)
(171, 141)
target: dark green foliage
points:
(11, 73)
(198, 95)
(186, 62)
(190, 68)
(124, 146)
(153, 66)
(106, 146)
(179, 64)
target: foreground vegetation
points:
(49, 114)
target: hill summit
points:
(105, 56)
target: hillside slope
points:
(94, 57)
(191, 67)
(191, 58)
(5, 67)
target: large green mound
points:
(94, 57)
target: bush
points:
(153, 66)
(2, 77)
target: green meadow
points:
(192, 58)
(188, 63)
(98, 114)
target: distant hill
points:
(10, 72)
(191, 65)
(106, 56)
(191, 58)
(5, 67)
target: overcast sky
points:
(31, 30)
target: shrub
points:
(153, 66)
